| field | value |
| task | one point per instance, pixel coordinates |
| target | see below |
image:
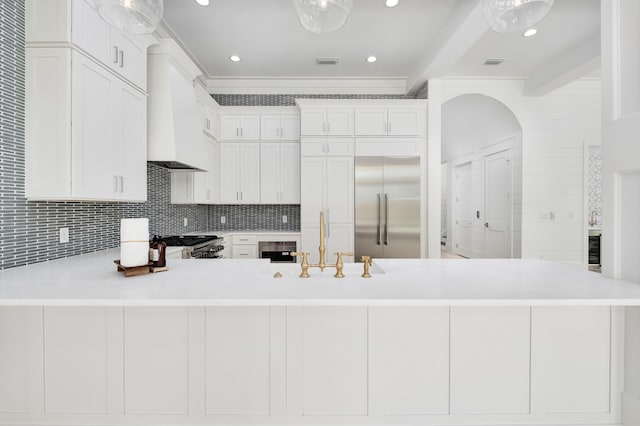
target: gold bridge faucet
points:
(305, 265)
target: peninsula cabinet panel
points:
(327, 359)
(14, 360)
(409, 349)
(571, 361)
(156, 360)
(490, 360)
(245, 363)
(76, 364)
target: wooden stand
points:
(133, 271)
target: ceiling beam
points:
(562, 70)
(464, 28)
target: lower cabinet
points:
(384, 365)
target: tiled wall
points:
(595, 185)
(288, 100)
(255, 217)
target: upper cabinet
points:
(326, 122)
(390, 122)
(240, 127)
(275, 127)
(76, 21)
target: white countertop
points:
(93, 280)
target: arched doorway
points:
(482, 156)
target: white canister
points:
(134, 242)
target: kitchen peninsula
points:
(224, 342)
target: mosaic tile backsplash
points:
(288, 100)
(595, 186)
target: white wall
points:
(554, 130)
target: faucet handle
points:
(339, 264)
(367, 263)
(304, 264)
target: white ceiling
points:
(417, 40)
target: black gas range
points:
(197, 246)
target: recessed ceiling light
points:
(203, 2)
(530, 32)
(371, 59)
(234, 58)
(391, 3)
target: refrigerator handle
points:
(378, 228)
(386, 219)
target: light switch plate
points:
(284, 218)
(64, 235)
(186, 221)
(223, 219)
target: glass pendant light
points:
(508, 16)
(323, 16)
(131, 16)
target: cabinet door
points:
(229, 127)
(270, 169)
(270, 127)
(229, 165)
(313, 147)
(340, 122)
(250, 127)
(313, 121)
(339, 190)
(339, 238)
(131, 60)
(338, 147)
(249, 173)
(290, 127)
(90, 32)
(371, 122)
(290, 173)
(406, 122)
(182, 187)
(312, 184)
(203, 182)
(210, 122)
(92, 132)
(245, 252)
(130, 161)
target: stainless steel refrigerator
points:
(387, 207)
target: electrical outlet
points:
(223, 219)
(284, 218)
(64, 235)
(186, 221)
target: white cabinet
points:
(245, 246)
(280, 173)
(327, 186)
(79, 23)
(326, 122)
(326, 147)
(101, 155)
(274, 127)
(390, 122)
(240, 127)
(199, 187)
(210, 121)
(239, 173)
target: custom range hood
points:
(174, 131)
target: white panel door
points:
(313, 121)
(249, 173)
(270, 127)
(76, 374)
(205, 183)
(338, 147)
(92, 131)
(14, 358)
(327, 363)
(238, 361)
(290, 127)
(156, 360)
(497, 205)
(463, 208)
(570, 366)
(89, 31)
(339, 190)
(270, 170)
(130, 144)
(289, 173)
(313, 147)
(339, 238)
(371, 122)
(629, 220)
(406, 122)
(132, 59)
(250, 127)
(409, 360)
(339, 122)
(229, 165)
(229, 127)
(310, 241)
(312, 187)
(490, 360)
